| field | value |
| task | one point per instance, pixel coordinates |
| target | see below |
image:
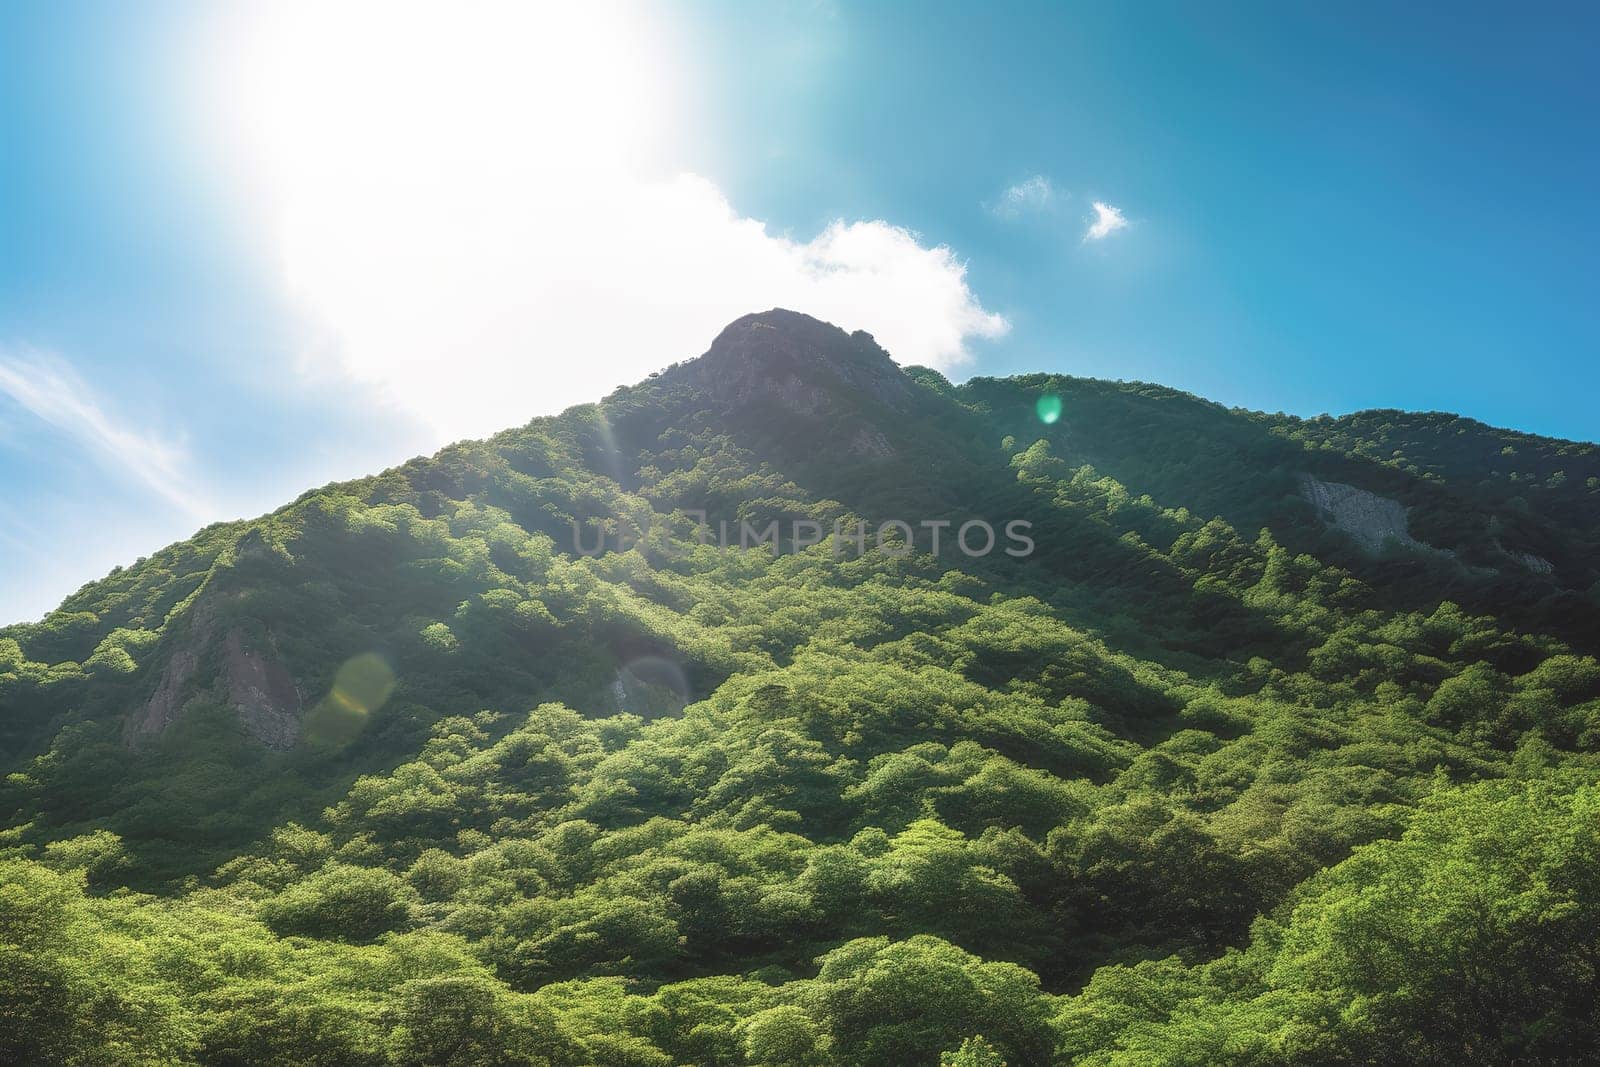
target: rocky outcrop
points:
(262, 691)
(799, 363)
(870, 444)
(164, 704)
(1372, 521)
(250, 679)
(1536, 564)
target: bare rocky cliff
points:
(1372, 521)
(250, 678)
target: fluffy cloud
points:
(1027, 196)
(1107, 221)
(461, 208)
(508, 308)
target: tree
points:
(470, 1021)
(906, 1001)
(783, 1036)
(974, 1052)
(341, 902)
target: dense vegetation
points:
(398, 775)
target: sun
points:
(476, 213)
(342, 92)
(383, 148)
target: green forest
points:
(1278, 748)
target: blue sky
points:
(246, 251)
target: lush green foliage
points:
(1197, 782)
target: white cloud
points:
(52, 391)
(518, 308)
(1107, 221)
(482, 243)
(1027, 196)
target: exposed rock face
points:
(870, 444)
(1369, 519)
(164, 703)
(262, 691)
(253, 681)
(1536, 564)
(797, 362)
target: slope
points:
(495, 729)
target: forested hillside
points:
(1277, 745)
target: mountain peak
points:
(796, 360)
(795, 326)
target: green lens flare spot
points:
(1049, 408)
(362, 686)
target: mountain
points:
(660, 732)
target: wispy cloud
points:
(50, 390)
(1107, 221)
(1025, 197)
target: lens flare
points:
(651, 686)
(1048, 408)
(362, 686)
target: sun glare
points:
(342, 93)
(398, 148)
(486, 212)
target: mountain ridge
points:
(508, 740)
(679, 371)
(779, 367)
